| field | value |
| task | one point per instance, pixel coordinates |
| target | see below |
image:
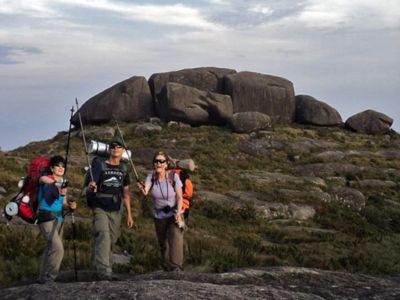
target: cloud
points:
(261, 9)
(33, 8)
(252, 13)
(8, 55)
(176, 14)
(343, 13)
(172, 14)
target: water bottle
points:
(26, 199)
(101, 149)
(21, 182)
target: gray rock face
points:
(128, 101)
(348, 197)
(312, 111)
(268, 177)
(269, 209)
(208, 79)
(267, 94)
(182, 103)
(351, 153)
(333, 169)
(291, 211)
(266, 207)
(205, 79)
(246, 122)
(296, 195)
(261, 283)
(328, 169)
(264, 146)
(370, 122)
(374, 183)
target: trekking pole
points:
(68, 140)
(74, 243)
(84, 139)
(66, 182)
(127, 152)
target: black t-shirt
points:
(110, 180)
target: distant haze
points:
(345, 53)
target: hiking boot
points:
(107, 276)
(176, 270)
(104, 276)
(115, 277)
(45, 281)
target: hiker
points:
(166, 192)
(52, 197)
(105, 194)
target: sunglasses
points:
(115, 146)
(160, 161)
(60, 165)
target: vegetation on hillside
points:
(223, 236)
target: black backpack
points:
(90, 197)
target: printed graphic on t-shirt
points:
(112, 182)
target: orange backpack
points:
(187, 188)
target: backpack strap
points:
(152, 182)
(170, 176)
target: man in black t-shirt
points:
(106, 193)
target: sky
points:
(344, 53)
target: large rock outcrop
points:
(271, 95)
(312, 111)
(208, 79)
(128, 101)
(177, 102)
(370, 122)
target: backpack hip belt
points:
(104, 195)
(114, 197)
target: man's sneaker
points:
(104, 276)
(45, 281)
(107, 276)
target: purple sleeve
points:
(148, 179)
(178, 182)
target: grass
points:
(225, 236)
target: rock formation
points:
(209, 79)
(370, 122)
(206, 79)
(186, 104)
(271, 95)
(128, 101)
(311, 111)
(200, 96)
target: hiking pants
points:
(170, 240)
(106, 230)
(54, 251)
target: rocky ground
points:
(260, 283)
